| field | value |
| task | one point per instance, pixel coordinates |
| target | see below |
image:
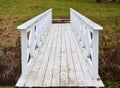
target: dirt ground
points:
(10, 66)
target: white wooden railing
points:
(88, 35)
(32, 34)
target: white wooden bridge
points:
(59, 54)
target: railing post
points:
(51, 17)
(70, 16)
(95, 60)
(38, 24)
(90, 30)
(24, 51)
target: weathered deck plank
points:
(60, 62)
(56, 68)
(49, 70)
(64, 71)
(71, 69)
(41, 74)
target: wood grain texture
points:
(60, 62)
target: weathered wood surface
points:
(32, 34)
(60, 62)
(87, 34)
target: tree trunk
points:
(113, 0)
(98, 1)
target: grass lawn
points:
(6, 87)
(15, 12)
(107, 14)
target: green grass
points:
(6, 87)
(15, 12)
(111, 84)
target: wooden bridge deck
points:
(60, 62)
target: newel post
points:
(95, 59)
(71, 17)
(24, 51)
(51, 17)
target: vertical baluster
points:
(83, 35)
(80, 32)
(51, 17)
(32, 41)
(40, 26)
(42, 29)
(24, 51)
(87, 41)
(77, 25)
(37, 34)
(95, 44)
(72, 19)
(70, 16)
(44, 25)
(45, 22)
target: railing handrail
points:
(32, 34)
(90, 23)
(32, 21)
(87, 34)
